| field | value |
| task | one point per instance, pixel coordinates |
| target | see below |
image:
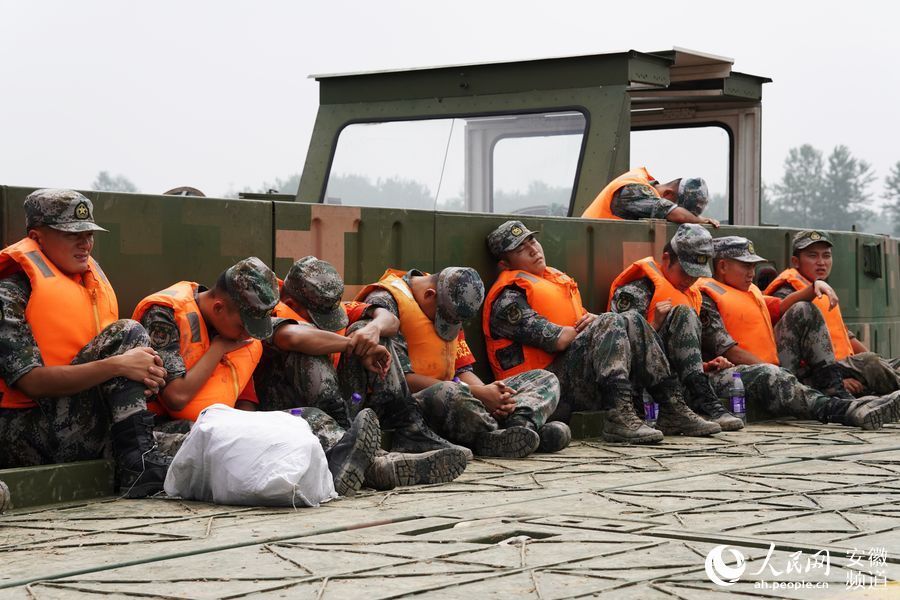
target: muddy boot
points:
(410, 432)
(512, 442)
(555, 436)
(868, 413)
(140, 467)
(353, 454)
(829, 380)
(5, 501)
(705, 403)
(894, 397)
(675, 418)
(396, 469)
(621, 423)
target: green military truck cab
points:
(412, 168)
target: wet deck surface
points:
(594, 520)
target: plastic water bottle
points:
(736, 393)
(651, 409)
(355, 398)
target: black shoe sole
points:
(514, 442)
(352, 473)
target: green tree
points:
(845, 189)
(107, 183)
(892, 195)
(797, 198)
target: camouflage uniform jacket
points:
(383, 299)
(512, 318)
(634, 295)
(786, 290)
(19, 352)
(715, 339)
(639, 201)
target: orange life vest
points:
(65, 312)
(662, 288)
(232, 373)
(554, 295)
(601, 207)
(746, 317)
(429, 354)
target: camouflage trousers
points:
(76, 427)
(878, 375)
(773, 388)
(454, 413)
(803, 341)
(680, 335)
(614, 350)
(286, 380)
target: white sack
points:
(251, 458)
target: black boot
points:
(349, 459)
(140, 467)
(410, 432)
(870, 412)
(702, 400)
(828, 379)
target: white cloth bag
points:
(250, 458)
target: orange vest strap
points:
(662, 288)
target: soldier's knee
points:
(130, 333)
(802, 310)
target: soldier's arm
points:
(857, 346)
(159, 321)
(808, 294)
(634, 296)
(639, 201)
(22, 367)
(514, 319)
(381, 323)
(308, 339)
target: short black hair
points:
(673, 257)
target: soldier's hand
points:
(363, 340)
(585, 320)
(854, 387)
(710, 221)
(144, 365)
(717, 364)
(491, 396)
(378, 361)
(659, 313)
(821, 287)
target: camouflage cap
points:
(317, 286)
(802, 239)
(253, 287)
(738, 248)
(693, 194)
(694, 248)
(508, 236)
(460, 293)
(63, 210)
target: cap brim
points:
(329, 320)
(258, 327)
(77, 227)
(520, 241)
(446, 330)
(752, 258)
(696, 270)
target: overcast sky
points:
(216, 94)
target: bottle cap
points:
(355, 398)
(297, 412)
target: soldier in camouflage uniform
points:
(68, 409)
(638, 195)
(863, 372)
(507, 418)
(237, 308)
(600, 360)
(685, 258)
(298, 368)
(773, 387)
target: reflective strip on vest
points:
(662, 288)
(834, 320)
(232, 373)
(746, 318)
(429, 354)
(64, 312)
(601, 207)
(554, 296)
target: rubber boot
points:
(868, 413)
(349, 459)
(410, 432)
(829, 380)
(140, 467)
(395, 469)
(5, 501)
(555, 436)
(621, 423)
(704, 402)
(510, 442)
(675, 418)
